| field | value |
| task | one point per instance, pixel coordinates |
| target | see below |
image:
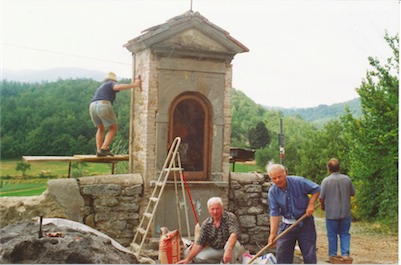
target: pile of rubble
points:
(31, 242)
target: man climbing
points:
(102, 114)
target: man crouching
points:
(217, 241)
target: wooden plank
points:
(50, 158)
(102, 159)
(77, 158)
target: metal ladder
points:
(172, 164)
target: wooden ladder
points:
(172, 164)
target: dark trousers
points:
(305, 234)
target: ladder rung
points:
(159, 183)
(148, 215)
(141, 230)
(153, 199)
(173, 169)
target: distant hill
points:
(318, 115)
(323, 113)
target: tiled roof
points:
(176, 23)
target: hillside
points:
(323, 113)
(317, 115)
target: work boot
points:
(104, 152)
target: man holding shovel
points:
(288, 198)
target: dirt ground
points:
(19, 243)
(367, 247)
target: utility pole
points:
(281, 142)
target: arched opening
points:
(189, 118)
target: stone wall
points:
(248, 200)
(111, 204)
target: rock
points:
(20, 243)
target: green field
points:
(244, 167)
(25, 189)
(12, 183)
(60, 169)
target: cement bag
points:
(171, 247)
(263, 259)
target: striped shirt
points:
(217, 237)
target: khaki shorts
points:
(102, 113)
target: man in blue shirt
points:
(288, 198)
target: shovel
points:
(279, 236)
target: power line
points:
(62, 53)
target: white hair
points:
(215, 200)
(271, 167)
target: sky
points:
(303, 53)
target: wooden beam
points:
(50, 158)
(102, 159)
(78, 158)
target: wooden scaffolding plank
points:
(102, 159)
(50, 158)
(78, 158)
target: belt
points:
(288, 221)
(101, 102)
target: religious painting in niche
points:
(189, 124)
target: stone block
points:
(132, 191)
(252, 188)
(107, 202)
(247, 221)
(263, 220)
(255, 210)
(102, 190)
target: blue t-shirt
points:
(105, 92)
(291, 202)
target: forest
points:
(51, 118)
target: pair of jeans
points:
(305, 234)
(339, 228)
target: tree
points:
(244, 114)
(258, 136)
(23, 167)
(295, 130)
(318, 147)
(373, 140)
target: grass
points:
(59, 169)
(24, 189)
(35, 180)
(12, 183)
(244, 167)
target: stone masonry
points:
(248, 201)
(111, 204)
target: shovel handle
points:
(279, 236)
(190, 198)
